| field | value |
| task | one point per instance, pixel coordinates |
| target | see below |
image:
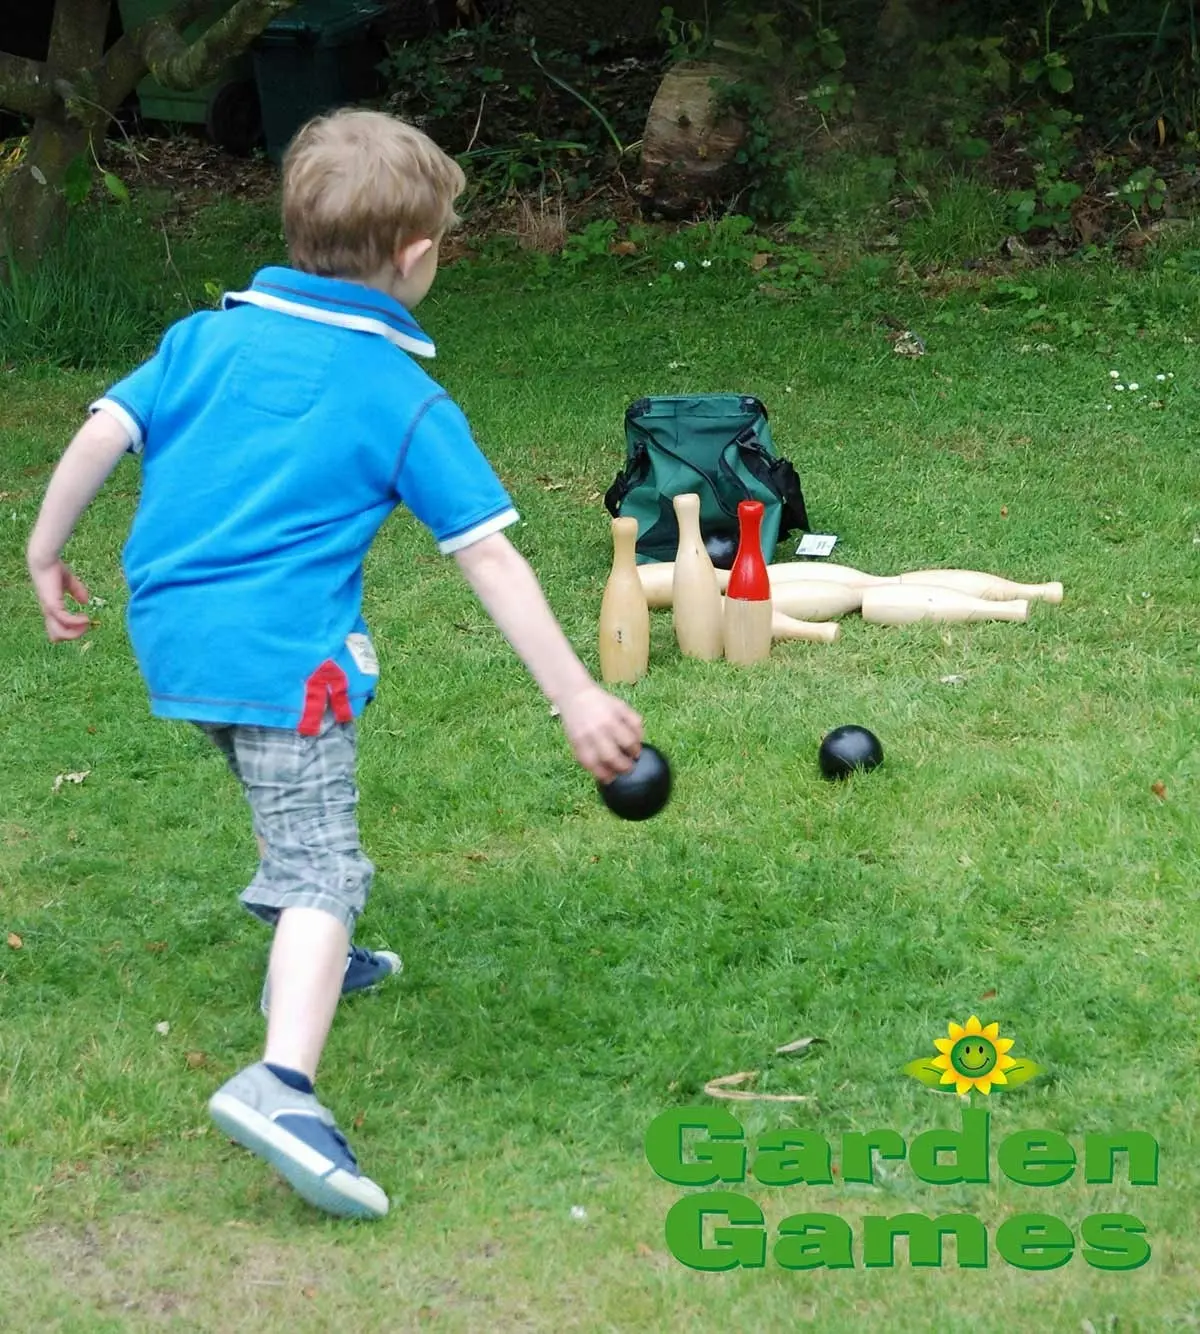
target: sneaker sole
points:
(304, 1169)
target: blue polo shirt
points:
(276, 435)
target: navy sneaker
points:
(299, 1138)
(364, 969)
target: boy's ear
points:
(407, 257)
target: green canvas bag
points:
(716, 445)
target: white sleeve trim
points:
(114, 409)
(478, 533)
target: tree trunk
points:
(33, 207)
(72, 95)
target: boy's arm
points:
(81, 472)
(604, 732)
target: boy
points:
(276, 435)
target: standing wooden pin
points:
(695, 593)
(624, 612)
(748, 609)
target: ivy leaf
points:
(77, 180)
(1060, 78)
(832, 55)
(116, 187)
(924, 1070)
(1020, 1072)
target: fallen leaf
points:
(14, 941)
(722, 1087)
(60, 779)
(989, 995)
(642, 1249)
(357, 1123)
(800, 1044)
(1004, 511)
(1160, 790)
(760, 261)
(156, 946)
(623, 248)
(909, 344)
(310, 1292)
(196, 1060)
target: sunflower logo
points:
(972, 1057)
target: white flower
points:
(578, 1212)
(1120, 388)
(1116, 375)
(706, 263)
(1160, 378)
(1108, 407)
(1170, 375)
(1132, 385)
(679, 264)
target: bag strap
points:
(780, 476)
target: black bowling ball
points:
(848, 748)
(643, 791)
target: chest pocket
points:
(283, 375)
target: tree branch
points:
(23, 85)
(124, 62)
(177, 63)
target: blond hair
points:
(357, 185)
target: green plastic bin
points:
(319, 55)
(227, 107)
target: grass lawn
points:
(569, 977)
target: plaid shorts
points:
(303, 798)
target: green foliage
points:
(80, 306)
(517, 117)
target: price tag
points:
(816, 544)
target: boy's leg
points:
(363, 969)
(312, 884)
(308, 963)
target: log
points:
(688, 147)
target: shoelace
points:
(360, 954)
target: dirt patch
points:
(194, 172)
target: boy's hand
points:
(51, 581)
(605, 734)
